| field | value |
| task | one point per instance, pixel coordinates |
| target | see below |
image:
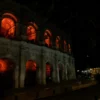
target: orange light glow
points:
(31, 33)
(7, 27)
(69, 48)
(65, 46)
(6, 65)
(47, 38)
(48, 69)
(3, 66)
(57, 42)
(31, 65)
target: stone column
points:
(54, 74)
(65, 69)
(56, 69)
(43, 68)
(22, 68)
(16, 74)
(39, 72)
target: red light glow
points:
(57, 42)
(69, 48)
(48, 69)
(6, 65)
(47, 36)
(7, 27)
(3, 66)
(31, 33)
(31, 65)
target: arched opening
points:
(57, 42)
(31, 73)
(65, 46)
(48, 73)
(31, 32)
(47, 38)
(69, 48)
(8, 25)
(7, 67)
(60, 69)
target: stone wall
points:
(20, 52)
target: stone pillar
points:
(65, 69)
(16, 74)
(39, 80)
(56, 69)
(54, 72)
(39, 72)
(44, 72)
(55, 76)
(63, 73)
(43, 69)
(22, 69)
(66, 76)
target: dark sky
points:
(78, 18)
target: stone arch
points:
(31, 73)
(47, 38)
(69, 48)
(7, 70)
(8, 25)
(31, 31)
(57, 42)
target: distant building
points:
(32, 53)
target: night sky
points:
(77, 18)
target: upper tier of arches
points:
(9, 29)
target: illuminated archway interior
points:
(6, 65)
(58, 42)
(31, 70)
(31, 65)
(47, 38)
(8, 25)
(69, 48)
(48, 72)
(31, 33)
(6, 73)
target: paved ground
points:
(90, 93)
(49, 91)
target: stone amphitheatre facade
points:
(32, 52)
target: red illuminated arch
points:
(3, 66)
(58, 42)
(31, 32)
(48, 69)
(47, 38)
(69, 48)
(31, 65)
(8, 24)
(6, 65)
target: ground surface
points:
(90, 93)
